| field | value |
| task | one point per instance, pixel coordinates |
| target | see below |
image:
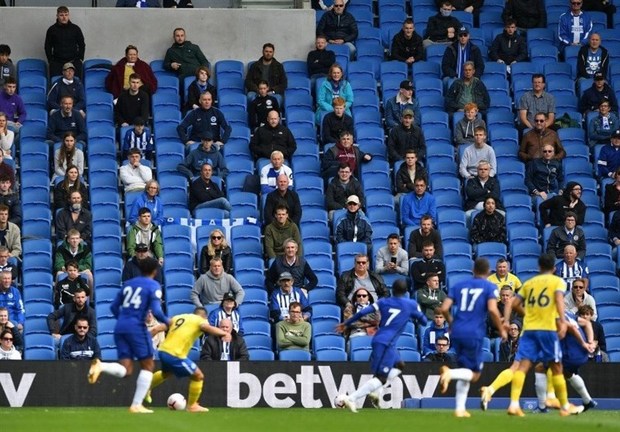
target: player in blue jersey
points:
(470, 301)
(386, 364)
(133, 340)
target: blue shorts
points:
(383, 358)
(138, 345)
(468, 353)
(178, 366)
(539, 345)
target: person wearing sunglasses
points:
(216, 247)
(537, 137)
(544, 175)
(6, 324)
(458, 54)
(7, 348)
(359, 276)
(578, 297)
(552, 211)
(339, 26)
(575, 26)
(368, 324)
(80, 345)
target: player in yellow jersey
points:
(184, 330)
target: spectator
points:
(430, 296)
(441, 353)
(132, 267)
(283, 297)
(359, 276)
(205, 152)
(508, 348)
(406, 136)
(407, 44)
(279, 230)
(457, 55)
(407, 173)
(480, 187)
(294, 332)
(506, 296)
(184, 57)
(118, 78)
(201, 120)
(144, 231)
(502, 277)
(587, 313)
(441, 28)
(132, 104)
(7, 325)
(134, 174)
(613, 234)
(74, 216)
(7, 348)
(336, 122)
(10, 199)
(343, 153)
(228, 310)
(601, 6)
(464, 128)
(599, 92)
(10, 234)
(417, 204)
(7, 68)
(609, 157)
(211, 287)
(197, 87)
(333, 86)
(603, 126)
(66, 119)
(63, 188)
(68, 155)
(64, 43)
(508, 47)
(230, 347)
(80, 345)
(437, 329)
(592, 58)
(11, 299)
(392, 258)
(67, 85)
(217, 247)
(572, 268)
(74, 249)
(553, 210)
(151, 322)
(62, 321)
(543, 176)
(569, 234)
(579, 297)
(12, 105)
(535, 139)
(339, 26)
(282, 195)
(139, 137)
(292, 262)
(421, 268)
(321, 59)
(353, 226)
(475, 153)
(368, 324)
(536, 101)
(527, 13)
(270, 173)
(467, 89)
(267, 66)
(418, 237)
(261, 106)
(489, 225)
(574, 26)
(5, 265)
(612, 194)
(7, 136)
(151, 200)
(401, 102)
(271, 137)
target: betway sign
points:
(16, 394)
(314, 387)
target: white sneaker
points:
(344, 401)
(374, 399)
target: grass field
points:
(269, 420)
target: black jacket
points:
(64, 42)
(129, 106)
(290, 199)
(346, 283)
(64, 222)
(201, 192)
(401, 139)
(131, 271)
(205, 260)
(508, 48)
(267, 139)
(437, 28)
(14, 204)
(277, 77)
(303, 275)
(319, 62)
(450, 56)
(212, 348)
(488, 228)
(259, 108)
(403, 48)
(67, 315)
(420, 268)
(553, 210)
(479, 91)
(404, 184)
(194, 92)
(337, 26)
(333, 126)
(65, 289)
(336, 195)
(475, 192)
(592, 98)
(527, 13)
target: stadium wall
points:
(253, 384)
(221, 33)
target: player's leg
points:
(517, 387)
(375, 397)
(503, 379)
(120, 369)
(574, 379)
(196, 381)
(142, 349)
(541, 385)
(469, 358)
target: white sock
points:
(540, 383)
(369, 386)
(462, 388)
(577, 383)
(114, 369)
(461, 374)
(393, 374)
(142, 386)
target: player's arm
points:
(209, 329)
(494, 313)
(516, 305)
(444, 309)
(158, 329)
(586, 325)
(559, 305)
(365, 311)
(157, 310)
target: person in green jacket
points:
(278, 231)
(74, 249)
(184, 57)
(293, 332)
(145, 231)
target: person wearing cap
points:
(67, 85)
(278, 231)
(184, 57)
(441, 28)
(574, 26)
(206, 117)
(553, 210)
(228, 310)
(536, 101)
(132, 103)
(592, 58)
(283, 195)
(261, 106)
(353, 226)
(609, 157)
(599, 91)
(417, 204)
(230, 347)
(467, 89)
(147, 232)
(134, 174)
(272, 136)
(206, 151)
(406, 136)
(211, 287)
(304, 277)
(270, 173)
(118, 78)
(457, 55)
(407, 44)
(205, 193)
(66, 119)
(464, 128)
(603, 125)
(536, 138)
(64, 42)
(403, 100)
(138, 137)
(336, 122)
(343, 152)
(132, 267)
(335, 85)
(340, 188)
(339, 26)
(509, 46)
(282, 298)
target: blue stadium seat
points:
(261, 354)
(294, 355)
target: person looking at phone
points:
(392, 258)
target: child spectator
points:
(139, 137)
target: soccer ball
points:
(177, 402)
(338, 402)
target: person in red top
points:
(118, 78)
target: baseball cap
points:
(406, 84)
(285, 276)
(407, 112)
(599, 76)
(141, 247)
(353, 199)
(229, 296)
(616, 134)
(207, 136)
(68, 66)
(463, 30)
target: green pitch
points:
(268, 420)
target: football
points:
(338, 403)
(177, 402)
